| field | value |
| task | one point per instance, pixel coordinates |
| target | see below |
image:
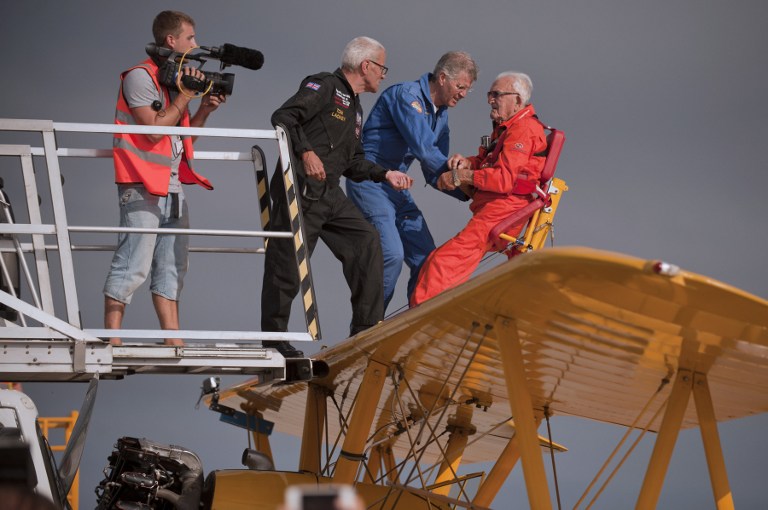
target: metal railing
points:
(29, 239)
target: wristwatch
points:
(455, 177)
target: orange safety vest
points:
(138, 160)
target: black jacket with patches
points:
(325, 116)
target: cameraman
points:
(149, 172)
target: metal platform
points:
(46, 341)
(62, 360)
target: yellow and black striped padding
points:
(297, 228)
(262, 186)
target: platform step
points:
(67, 360)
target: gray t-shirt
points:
(139, 90)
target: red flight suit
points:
(504, 178)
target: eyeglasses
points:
(463, 88)
(495, 94)
(384, 69)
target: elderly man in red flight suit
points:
(499, 179)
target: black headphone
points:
(157, 105)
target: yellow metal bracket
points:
(541, 223)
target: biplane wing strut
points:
(525, 444)
(686, 383)
(521, 405)
(360, 423)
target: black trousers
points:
(352, 240)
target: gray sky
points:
(662, 103)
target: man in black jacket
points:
(324, 121)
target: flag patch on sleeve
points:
(312, 85)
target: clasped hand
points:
(459, 168)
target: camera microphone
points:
(229, 54)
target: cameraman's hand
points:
(210, 101)
(194, 73)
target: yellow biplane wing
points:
(562, 331)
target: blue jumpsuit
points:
(403, 125)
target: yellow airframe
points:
(469, 375)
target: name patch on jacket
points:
(312, 85)
(417, 106)
(339, 114)
(342, 99)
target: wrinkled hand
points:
(458, 161)
(313, 166)
(398, 180)
(445, 181)
(459, 167)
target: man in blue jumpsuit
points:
(410, 121)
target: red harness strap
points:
(526, 187)
(555, 141)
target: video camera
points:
(215, 83)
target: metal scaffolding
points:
(40, 342)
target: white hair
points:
(357, 50)
(455, 62)
(521, 83)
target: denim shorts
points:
(164, 257)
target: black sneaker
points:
(284, 348)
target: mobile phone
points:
(319, 497)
